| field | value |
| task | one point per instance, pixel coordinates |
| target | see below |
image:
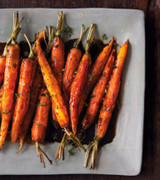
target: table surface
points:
(151, 150)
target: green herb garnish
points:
(6, 112)
(103, 36)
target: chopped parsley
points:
(105, 90)
(6, 112)
(108, 108)
(38, 124)
(54, 57)
(68, 30)
(90, 76)
(103, 36)
(43, 104)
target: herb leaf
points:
(103, 36)
(68, 29)
(43, 104)
(6, 112)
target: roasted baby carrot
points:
(80, 80)
(27, 73)
(98, 92)
(72, 63)
(108, 105)
(40, 122)
(57, 53)
(10, 77)
(1, 95)
(56, 95)
(96, 71)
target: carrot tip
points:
(20, 147)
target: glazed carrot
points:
(27, 73)
(2, 64)
(33, 98)
(57, 53)
(72, 63)
(98, 92)
(10, 77)
(40, 122)
(79, 81)
(108, 105)
(96, 71)
(56, 95)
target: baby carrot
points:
(72, 63)
(57, 53)
(79, 81)
(40, 122)
(108, 105)
(10, 77)
(27, 73)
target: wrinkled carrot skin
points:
(33, 99)
(77, 88)
(112, 94)
(57, 59)
(2, 67)
(27, 73)
(96, 71)
(1, 95)
(41, 117)
(71, 66)
(53, 89)
(10, 77)
(98, 92)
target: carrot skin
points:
(77, 89)
(33, 99)
(112, 94)
(71, 66)
(1, 95)
(27, 73)
(96, 71)
(2, 67)
(98, 92)
(57, 59)
(53, 89)
(41, 117)
(10, 77)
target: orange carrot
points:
(108, 105)
(2, 64)
(10, 77)
(72, 63)
(96, 71)
(40, 122)
(1, 95)
(79, 82)
(27, 73)
(57, 53)
(98, 92)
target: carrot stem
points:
(60, 23)
(81, 35)
(31, 53)
(90, 37)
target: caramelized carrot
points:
(72, 63)
(10, 77)
(40, 121)
(108, 105)
(57, 53)
(79, 81)
(27, 73)
(2, 64)
(98, 92)
(56, 95)
(96, 71)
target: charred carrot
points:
(10, 77)
(72, 63)
(40, 122)
(98, 92)
(57, 53)
(27, 73)
(108, 105)
(56, 95)
(79, 81)
(96, 71)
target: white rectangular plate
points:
(124, 155)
